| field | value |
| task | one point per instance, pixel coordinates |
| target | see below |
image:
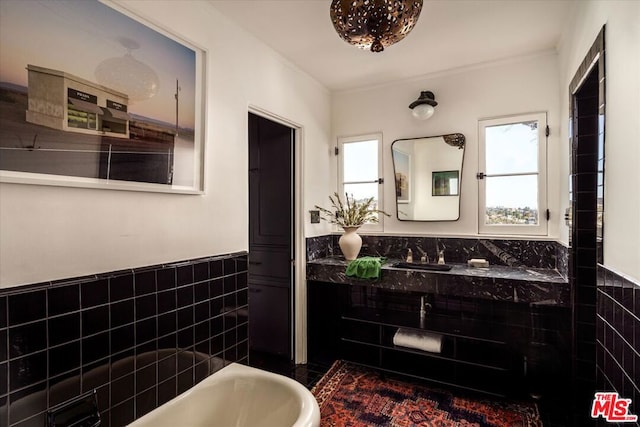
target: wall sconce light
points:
(422, 108)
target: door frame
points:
(298, 302)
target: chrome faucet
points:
(424, 258)
(439, 254)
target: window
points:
(360, 170)
(77, 118)
(82, 109)
(512, 178)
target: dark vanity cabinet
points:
(487, 346)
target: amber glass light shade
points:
(374, 24)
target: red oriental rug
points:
(354, 396)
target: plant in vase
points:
(350, 215)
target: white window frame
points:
(360, 138)
(514, 229)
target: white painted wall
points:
(622, 126)
(50, 233)
(521, 85)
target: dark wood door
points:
(271, 181)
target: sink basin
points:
(416, 266)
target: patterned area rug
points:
(353, 396)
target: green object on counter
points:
(368, 267)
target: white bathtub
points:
(238, 396)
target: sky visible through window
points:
(360, 169)
(512, 149)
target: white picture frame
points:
(70, 117)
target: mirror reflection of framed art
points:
(445, 183)
(402, 162)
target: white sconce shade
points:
(423, 111)
(423, 107)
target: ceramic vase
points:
(350, 243)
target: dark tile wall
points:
(617, 346)
(139, 337)
(587, 112)
(562, 260)
(320, 247)
(514, 253)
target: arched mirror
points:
(427, 177)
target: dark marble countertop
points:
(515, 284)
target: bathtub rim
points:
(309, 411)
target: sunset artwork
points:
(91, 92)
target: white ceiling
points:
(449, 34)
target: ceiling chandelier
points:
(374, 24)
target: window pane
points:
(362, 192)
(81, 119)
(360, 161)
(512, 200)
(512, 148)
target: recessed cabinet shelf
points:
(470, 357)
(475, 328)
(463, 349)
(448, 354)
(477, 351)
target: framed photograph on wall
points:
(109, 101)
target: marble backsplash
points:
(512, 253)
